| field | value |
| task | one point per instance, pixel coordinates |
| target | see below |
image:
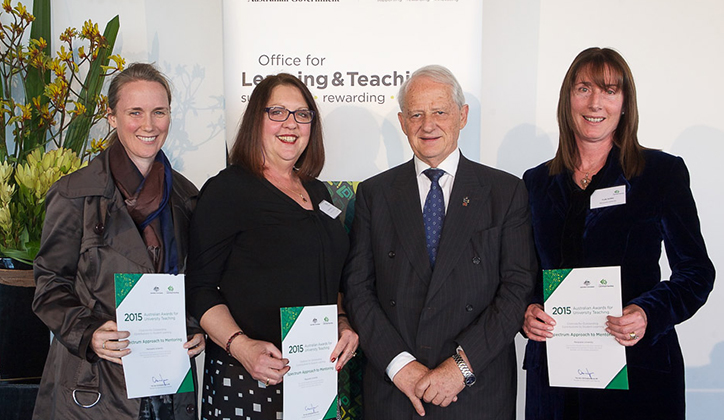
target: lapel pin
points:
(466, 201)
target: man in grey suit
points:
(440, 270)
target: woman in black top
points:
(259, 242)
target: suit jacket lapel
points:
(469, 207)
(403, 199)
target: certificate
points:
(151, 307)
(581, 354)
(309, 334)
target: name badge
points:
(329, 209)
(607, 197)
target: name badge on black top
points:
(329, 209)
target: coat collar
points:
(120, 232)
(93, 180)
(469, 205)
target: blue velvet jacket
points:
(659, 207)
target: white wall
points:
(674, 48)
(183, 38)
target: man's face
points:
(431, 120)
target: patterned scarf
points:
(147, 201)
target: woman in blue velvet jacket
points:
(598, 148)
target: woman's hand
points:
(261, 359)
(105, 342)
(196, 344)
(537, 324)
(629, 328)
(346, 347)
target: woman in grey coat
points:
(126, 212)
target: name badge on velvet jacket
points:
(607, 197)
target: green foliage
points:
(46, 102)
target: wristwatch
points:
(468, 375)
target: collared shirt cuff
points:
(396, 365)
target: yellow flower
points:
(42, 170)
(98, 145)
(57, 91)
(68, 35)
(79, 109)
(25, 109)
(6, 220)
(45, 115)
(6, 171)
(120, 61)
(26, 175)
(64, 55)
(39, 44)
(22, 11)
(6, 192)
(89, 30)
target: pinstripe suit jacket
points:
(475, 297)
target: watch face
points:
(470, 380)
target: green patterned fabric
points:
(350, 388)
(350, 378)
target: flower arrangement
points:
(48, 106)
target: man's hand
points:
(406, 380)
(441, 385)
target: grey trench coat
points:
(88, 236)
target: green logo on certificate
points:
(124, 285)
(289, 317)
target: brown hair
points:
(247, 150)
(134, 73)
(598, 62)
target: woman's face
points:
(283, 142)
(595, 111)
(141, 119)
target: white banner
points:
(353, 55)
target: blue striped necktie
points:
(433, 213)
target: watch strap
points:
(468, 376)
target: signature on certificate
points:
(160, 380)
(585, 373)
(312, 409)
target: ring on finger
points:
(633, 336)
(104, 344)
(354, 354)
